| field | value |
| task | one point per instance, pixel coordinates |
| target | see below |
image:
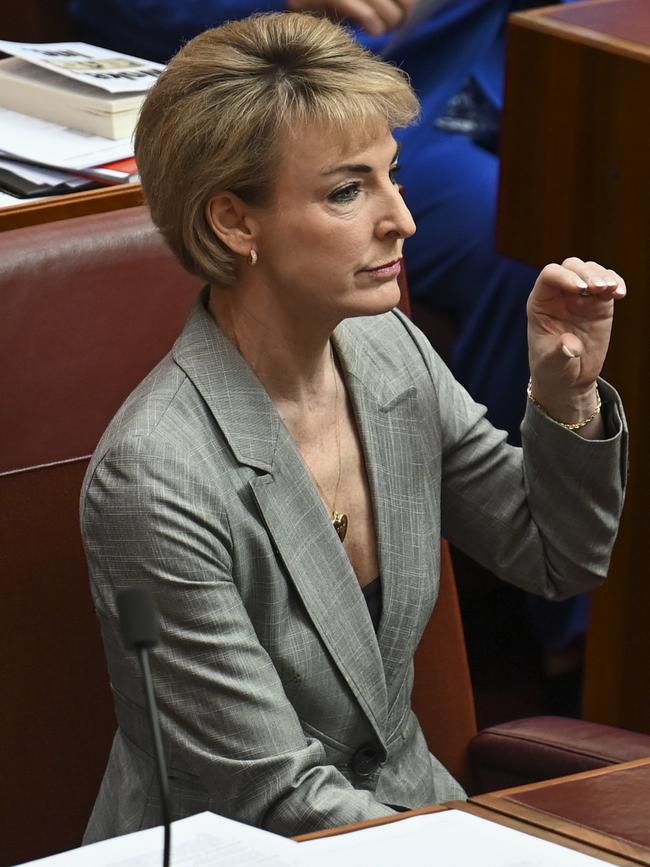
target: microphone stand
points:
(139, 625)
(161, 765)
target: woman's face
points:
(330, 242)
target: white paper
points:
(50, 144)
(39, 175)
(7, 201)
(447, 839)
(450, 838)
(204, 840)
(108, 70)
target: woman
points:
(302, 440)
(455, 53)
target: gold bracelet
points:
(576, 425)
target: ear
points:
(232, 222)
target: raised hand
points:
(375, 16)
(570, 313)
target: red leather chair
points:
(507, 754)
(89, 306)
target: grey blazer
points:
(270, 676)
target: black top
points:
(372, 595)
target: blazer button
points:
(365, 761)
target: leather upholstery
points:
(57, 720)
(92, 300)
(540, 748)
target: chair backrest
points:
(442, 693)
(89, 306)
(57, 717)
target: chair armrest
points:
(544, 747)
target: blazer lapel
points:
(299, 526)
(323, 576)
(391, 431)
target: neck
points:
(295, 364)
(290, 358)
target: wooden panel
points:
(37, 211)
(597, 845)
(609, 19)
(442, 691)
(607, 806)
(36, 21)
(576, 181)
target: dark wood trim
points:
(36, 211)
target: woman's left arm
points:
(544, 517)
(570, 314)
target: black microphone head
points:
(138, 618)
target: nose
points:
(396, 220)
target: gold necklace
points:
(339, 519)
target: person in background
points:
(281, 479)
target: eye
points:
(345, 194)
(392, 173)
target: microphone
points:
(139, 626)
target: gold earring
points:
(252, 257)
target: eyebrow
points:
(356, 168)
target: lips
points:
(385, 268)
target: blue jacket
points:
(465, 37)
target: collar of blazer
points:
(300, 529)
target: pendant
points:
(340, 524)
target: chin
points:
(379, 299)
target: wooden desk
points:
(598, 845)
(37, 211)
(608, 807)
(576, 181)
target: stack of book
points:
(67, 115)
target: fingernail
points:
(567, 351)
(580, 283)
(611, 282)
(599, 282)
(620, 292)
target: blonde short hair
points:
(214, 119)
